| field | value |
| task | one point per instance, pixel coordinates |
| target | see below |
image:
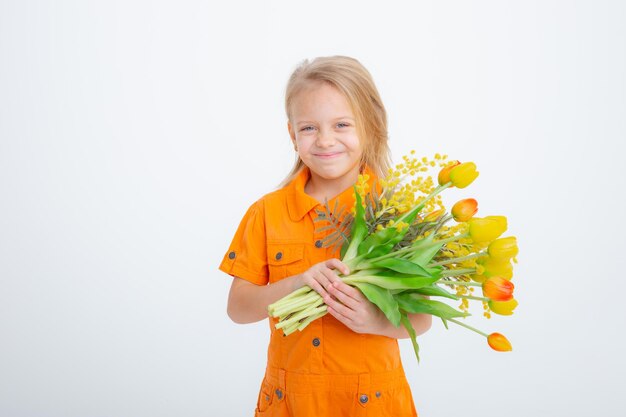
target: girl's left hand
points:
(348, 305)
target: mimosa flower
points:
(487, 228)
(498, 342)
(503, 308)
(504, 248)
(444, 174)
(464, 210)
(463, 175)
(498, 289)
(496, 267)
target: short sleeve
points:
(247, 255)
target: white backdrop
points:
(134, 135)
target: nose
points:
(325, 138)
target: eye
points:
(341, 124)
(306, 128)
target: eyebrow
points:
(334, 120)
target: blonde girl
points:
(346, 363)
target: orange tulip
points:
(444, 174)
(498, 289)
(499, 342)
(464, 210)
(463, 175)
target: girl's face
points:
(325, 135)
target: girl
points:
(346, 363)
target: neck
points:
(323, 189)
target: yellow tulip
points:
(504, 248)
(464, 210)
(487, 228)
(463, 175)
(499, 342)
(503, 308)
(444, 174)
(496, 267)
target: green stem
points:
(296, 305)
(310, 319)
(304, 313)
(457, 272)
(457, 260)
(463, 283)
(472, 297)
(468, 327)
(302, 290)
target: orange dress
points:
(325, 369)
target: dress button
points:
(231, 255)
(279, 256)
(363, 398)
(279, 394)
(318, 244)
(377, 394)
(316, 342)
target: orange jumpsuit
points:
(326, 369)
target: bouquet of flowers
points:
(405, 261)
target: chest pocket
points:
(285, 259)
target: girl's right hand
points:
(320, 276)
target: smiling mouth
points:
(328, 155)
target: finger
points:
(337, 291)
(339, 307)
(337, 264)
(331, 276)
(343, 319)
(352, 292)
(317, 286)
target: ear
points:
(292, 133)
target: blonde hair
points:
(351, 78)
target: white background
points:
(134, 135)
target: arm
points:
(248, 302)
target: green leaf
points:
(424, 256)
(437, 291)
(383, 299)
(392, 282)
(359, 228)
(415, 303)
(404, 319)
(402, 265)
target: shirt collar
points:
(300, 203)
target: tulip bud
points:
(434, 216)
(463, 174)
(503, 308)
(444, 174)
(498, 289)
(463, 210)
(499, 342)
(487, 228)
(504, 248)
